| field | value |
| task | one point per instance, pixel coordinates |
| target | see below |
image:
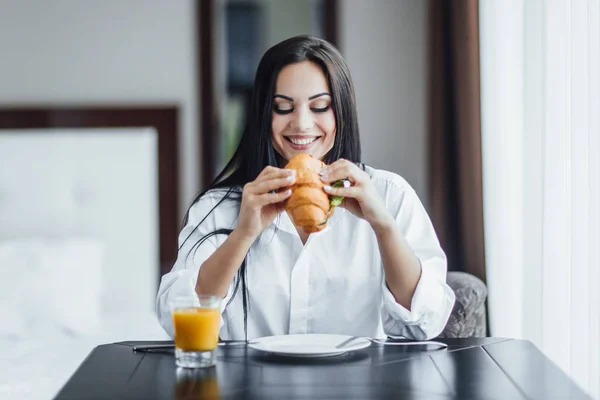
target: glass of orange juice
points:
(196, 320)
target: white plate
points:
(309, 345)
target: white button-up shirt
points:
(335, 283)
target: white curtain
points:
(541, 148)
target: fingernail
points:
(327, 188)
(291, 178)
(323, 171)
(289, 191)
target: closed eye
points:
(289, 110)
(282, 112)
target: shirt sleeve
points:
(193, 251)
(433, 299)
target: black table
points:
(481, 368)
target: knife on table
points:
(170, 346)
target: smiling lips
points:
(301, 142)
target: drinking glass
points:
(196, 320)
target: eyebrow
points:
(310, 98)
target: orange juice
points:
(196, 328)
(196, 384)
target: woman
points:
(376, 270)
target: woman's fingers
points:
(274, 184)
(268, 170)
(270, 179)
(271, 198)
(352, 191)
(273, 172)
(342, 169)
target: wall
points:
(134, 51)
(384, 43)
(287, 18)
(69, 52)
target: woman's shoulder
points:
(388, 181)
(397, 193)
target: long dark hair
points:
(255, 150)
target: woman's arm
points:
(217, 272)
(204, 266)
(416, 299)
(261, 203)
(402, 268)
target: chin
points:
(316, 153)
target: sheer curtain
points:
(541, 176)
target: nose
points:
(303, 121)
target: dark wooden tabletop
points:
(479, 368)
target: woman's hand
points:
(361, 198)
(260, 205)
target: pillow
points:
(50, 284)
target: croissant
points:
(309, 206)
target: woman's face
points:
(303, 118)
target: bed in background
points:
(80, 251)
